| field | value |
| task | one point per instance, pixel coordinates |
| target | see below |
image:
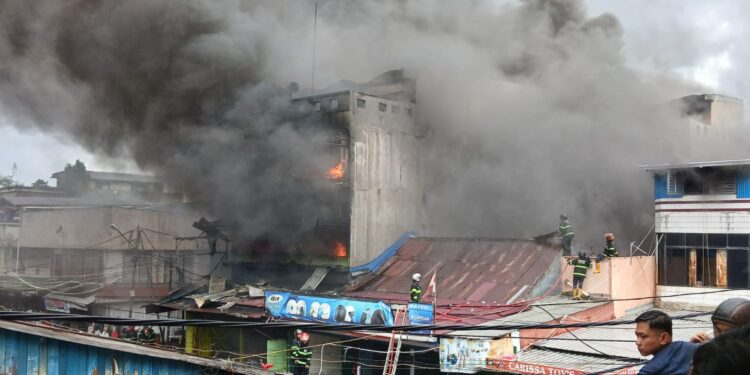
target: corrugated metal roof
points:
(87, 354)
(468, 270)
(125, 177)
(239, 310)
(558, 306)
(52, 201)
(699, 164)
(115, 176)
(682, 330)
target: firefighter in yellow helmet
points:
(610, 250)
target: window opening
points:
(672, 187)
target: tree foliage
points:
(6, 181)
(39, 183)
(75, 179)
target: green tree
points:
(77, 167)
(6, 181)
(39, 183)
(75, 178)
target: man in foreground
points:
(728, 354)
(653, 334)
(732, 313)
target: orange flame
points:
(337, 172)
(340, 250)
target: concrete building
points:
(377, 146)
(702, 226)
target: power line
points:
(576, 337)
(26, 316)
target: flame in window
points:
(340, 250)
(337, 172)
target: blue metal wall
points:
(23, 354)
(743, 184)
(660, 188)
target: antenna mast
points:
(315, 32)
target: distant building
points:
(151, 187)
(711, 115)
(702, 226)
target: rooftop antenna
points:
(315, 32)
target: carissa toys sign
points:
(530, 368)
(327, 310)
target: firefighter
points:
(416, 290)
(302, 355)
(295, 341)
(580, 267)
(566, 231)
(610, 251)
(129, 333)
(147, 335)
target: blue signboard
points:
(421, 314)
(327, 310)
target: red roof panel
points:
(468, 270)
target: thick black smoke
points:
(190, 90)
(175, 87)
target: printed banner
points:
(463, 355)
(52, 304)
(421, 314)
(327, 310)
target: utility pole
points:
(135, 261)
(18, 241)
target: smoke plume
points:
(530, 108)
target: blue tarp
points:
(373, 265)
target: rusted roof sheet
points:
(237, 311)
(487, 271)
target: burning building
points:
(370, 183)
(375, 153)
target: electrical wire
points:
(569, 331)
(17, 315)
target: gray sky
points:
(690, 39)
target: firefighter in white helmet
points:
(416, 290)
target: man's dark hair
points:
(656, 320)
(727, 354)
